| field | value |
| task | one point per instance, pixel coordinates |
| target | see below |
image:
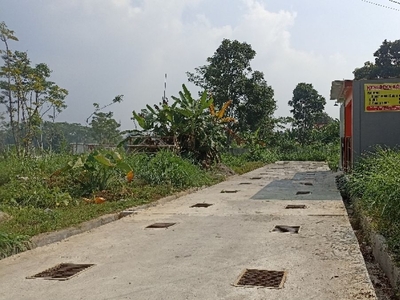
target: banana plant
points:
(198, 133)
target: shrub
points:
(95, 171)
(375, 181)
(165, 167)
(12, 243)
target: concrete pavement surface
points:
(203, 254)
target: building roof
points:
(339, 89)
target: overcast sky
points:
(98, 49)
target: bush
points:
(375, 180)
(33, 192)
(12, 243)
(167, 168)
(25, 181)
(261, 155)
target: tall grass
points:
(167, 168)
(12, 243)
(375, 181)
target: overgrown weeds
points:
(375, 181)
(166, 167)
(44, 193)
(12, 243)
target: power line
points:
(394, 1)
(381, 5)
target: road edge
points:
(47, 238)
(380, 250)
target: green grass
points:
(375, 181)
(12, 243)
(30, 221)
(313, 152)
(240, 163)
(39, 201)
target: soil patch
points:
(382, 286)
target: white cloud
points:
(99, 49)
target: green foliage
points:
(95, 171)
(387, 63)
(104, 128)
(257, 150)
(24, 182)
(240, 163)
(200, 134)
(226, 74)
(315, 152)
(308, 107)
(12, 243)
(255, 113)
(167, 168)
(38, 199)
(229, 76)
(34, 192)
(375, 181)
(27, 94)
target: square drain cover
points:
(261, 278)
(229, 191)
(295, 206)
(303, 193)
(160, 225)
(62, 271)
(201, 205)
(286, 229)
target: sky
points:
(99, 49)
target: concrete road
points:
(203, 254)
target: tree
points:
(387, 63)
(256, 113)
(26, 93)
(308, 107)
(58, 135)
(105, 128)
(229, 76)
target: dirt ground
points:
(383, 289)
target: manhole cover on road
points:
(303, 193)
(295, 206)
(261, 278)
(62, 271)
(160, 225)
(201, 205)
(229, 192)
(286, 229)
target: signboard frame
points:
(382, 97)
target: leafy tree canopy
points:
(307, 108)
(105, 128)
(229, 76)
(26, 93)
(387, 63)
